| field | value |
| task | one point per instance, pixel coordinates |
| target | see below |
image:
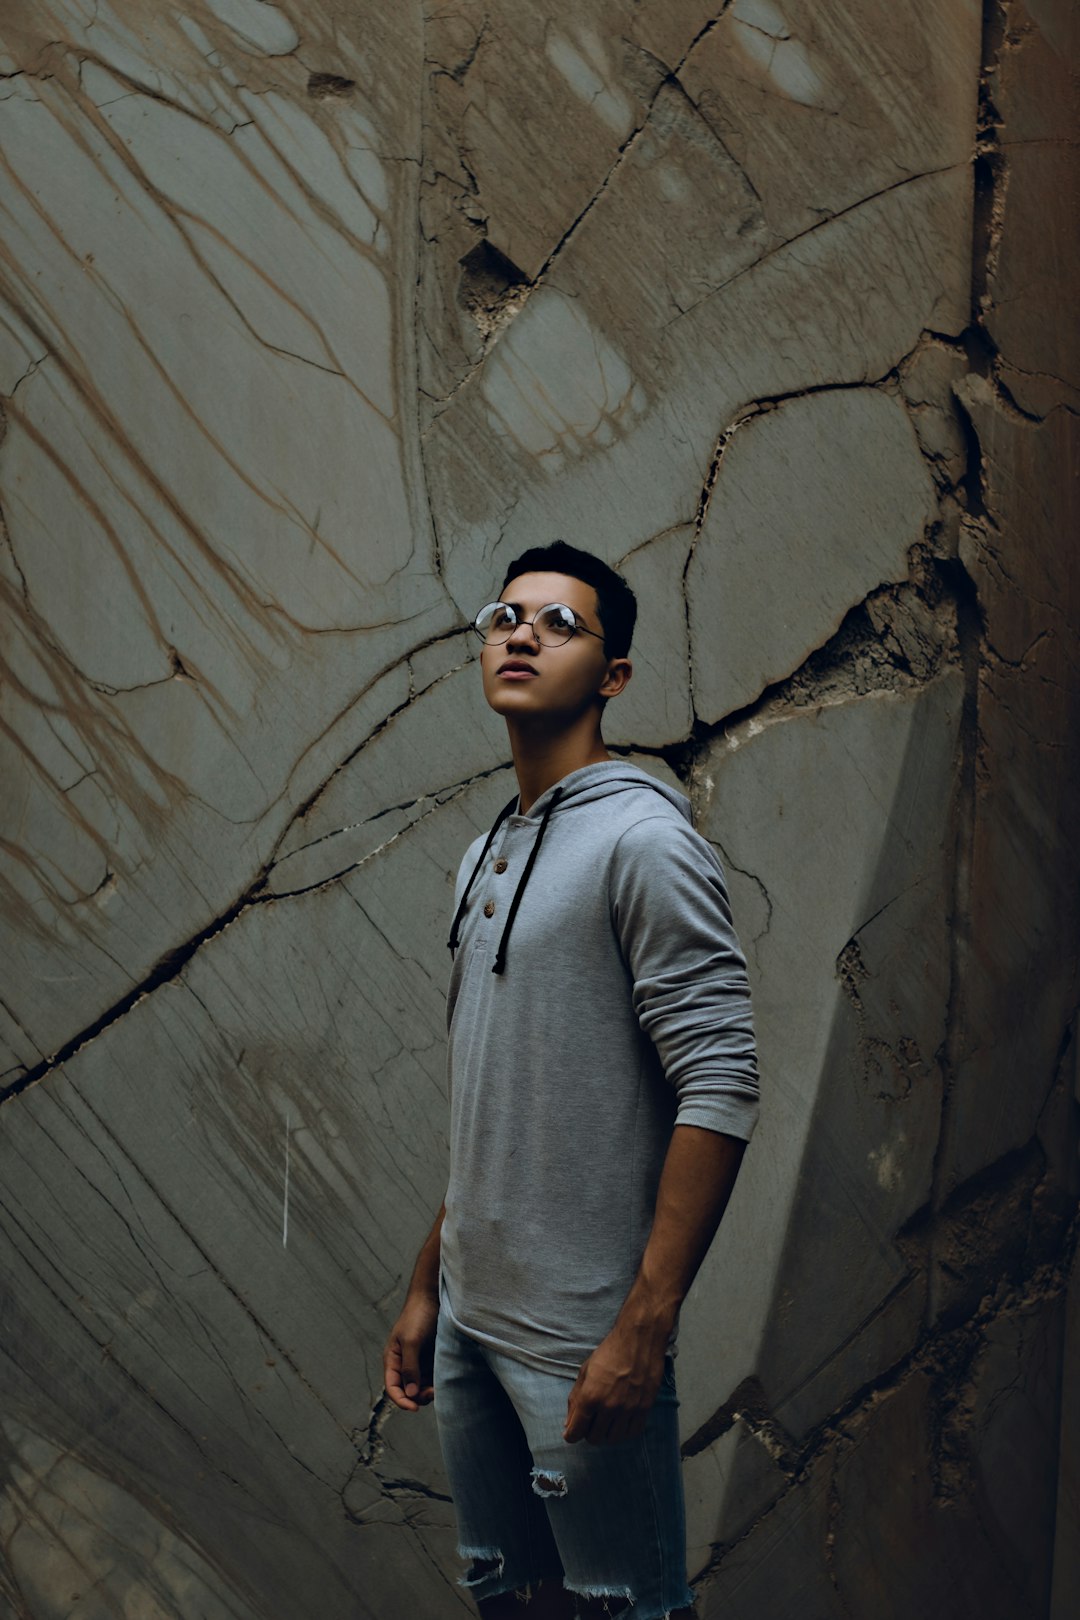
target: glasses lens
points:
(554, 625)
(495, 622)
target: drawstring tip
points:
(499, 963)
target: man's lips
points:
(517, 669)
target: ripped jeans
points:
(608, 1521)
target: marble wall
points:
(312, 317)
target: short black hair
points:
(615, 601)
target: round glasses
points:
(552, 626)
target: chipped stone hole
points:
(492, 287)
(548, 1482)
(894, 1067)
(851, 970)
(324, 86)
(180, 671)
(747, 1406)
(899, 636)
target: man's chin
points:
(513, 703)
(521, 703)
(510, 695)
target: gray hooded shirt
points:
(620, 1007)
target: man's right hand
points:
(409, 1356)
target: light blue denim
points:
(606, 1520)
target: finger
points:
(578, 1419)
(624, 1425)
(410, 1369)
(401, 1401)
(397, 1395)
(392, 1379)
(391, 1362)
(600, 1432)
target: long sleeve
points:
(670, 910)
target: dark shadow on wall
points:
(899, 1440)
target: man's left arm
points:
(617, 1384)
(691, 995)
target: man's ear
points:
(619, 671)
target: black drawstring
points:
(455, 931)
(500, 957)
(452, 942)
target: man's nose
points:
(523, 634)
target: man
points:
(603, 1085)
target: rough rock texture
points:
(311, 317)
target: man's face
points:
(523, 678)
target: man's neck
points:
(543, 757)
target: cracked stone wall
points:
(311, 317)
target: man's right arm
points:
(409, 1355)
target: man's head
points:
(559, 679)
(616, 604)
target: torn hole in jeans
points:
(621, 1595)
(548, 1482)
(485, 1563)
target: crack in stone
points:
(438, 800)
(751, 877)
(970, 626)
(167, 968)
(171, 964)
(818, 225)
(881, 640)
(307, 805)
(939, 1354)
(460, 71)
(858, 659)
(528, 285)
(746, 1405)
(853, 662)
(757, 407)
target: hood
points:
(600, 781)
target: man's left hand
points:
(615, 1388)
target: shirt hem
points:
(563, 1369)
(531, 1358)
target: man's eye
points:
(503, 618)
